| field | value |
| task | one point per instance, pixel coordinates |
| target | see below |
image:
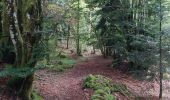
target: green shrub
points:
(166, 76)
(120, 88)
(96, 82)
(61, 65)
(104, 87)
(61, 55)
(36, 96)
(102, 94)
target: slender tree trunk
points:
(160, 47)
(94, 50)
(68, 37)
(78, 30)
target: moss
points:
(22, 86)
(60, 65)
(104, 87)
(121, 88)
(61, 55)
(166, 76)
(97, 82)
(24, 54)
(36, 96)
(26, 87)
(103, 94)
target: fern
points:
(19, 72)
(104, 87)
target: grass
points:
(104, 87)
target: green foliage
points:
(59, 61)
(36, 96)
(102, 95)
(1, 5)
(103, 87)
(166, 76)
(121, 88)
(19, 72)
(40, 51)
(62, 55)
(64, 65)
(96, 82)
(123, 34)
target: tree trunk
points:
(20, 29)
(26, 89)
(68, 37)
(160, 47)
(0, 23)
(78, 29)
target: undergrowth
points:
(60, 63)
(103, 87)
(36, 96)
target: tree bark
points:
(26, 88)
(68, 37)
(78, 29)
(20, 21)
(160, 47)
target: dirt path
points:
(67, 86)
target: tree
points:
(160, 47)
(22, 22)
(122, 29)
(1, 6)
(78, 27)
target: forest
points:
(84, 49)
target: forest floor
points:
(68, 85)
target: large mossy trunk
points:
(1, 7)
(22, 86)
(26, 90)
(21, 20)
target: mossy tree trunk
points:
(21, 20)
(1, 8)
